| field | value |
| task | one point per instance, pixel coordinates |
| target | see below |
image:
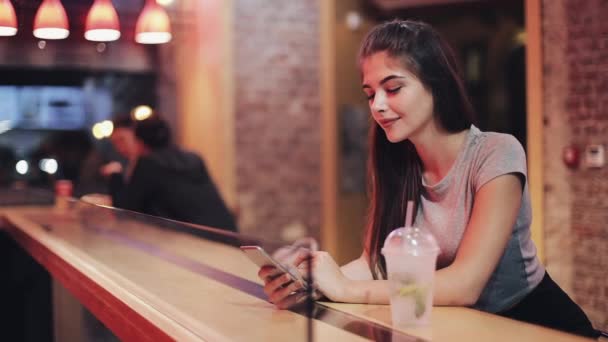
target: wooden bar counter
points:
(154, 284)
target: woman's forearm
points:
(378, 292)
(449, 291)
(357, 269)
(453, 286)
(365, 292)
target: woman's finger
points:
(267, 273)
(281, 293)
(303, 256)
(291, 300)
(273, 285)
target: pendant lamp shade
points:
(153, 25)
(102, 22)
(8, 19)
(51, 21)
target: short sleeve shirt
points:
(446, 207)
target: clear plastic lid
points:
(412, 240)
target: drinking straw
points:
(408, 213)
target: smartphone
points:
(261, 258)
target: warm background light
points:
(165, 2)
(22, 167)
(142, 112)
(153, 25)
(8, 19)
(51, 21)
(96, 130)
(102, 129)
(102, 22)
(101, 25)
(49, 165)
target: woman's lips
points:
(387, 122)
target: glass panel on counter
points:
(200, 277)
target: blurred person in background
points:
(161, 179)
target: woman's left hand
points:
(327, 276)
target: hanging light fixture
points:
(102, 22)
(153, 26)
(51, 21)
(8, 19)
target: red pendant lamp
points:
(51, 22)
(102, 22)
(153, 25)
(8, 19)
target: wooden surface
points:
(146, 283)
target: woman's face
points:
(398, 101)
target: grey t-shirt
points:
(447, 206)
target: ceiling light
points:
(51, 21)
(102, 22)
(153, 25)
(8, 19)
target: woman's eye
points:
(393, 90)
(369, 96)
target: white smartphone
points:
(259, 256)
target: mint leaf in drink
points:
(408, 290)
(420, 299)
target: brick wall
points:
(277, 116)
(576, 112)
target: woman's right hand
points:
(281, 290)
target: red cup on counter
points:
(63, 192)
(63, 187)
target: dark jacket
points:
(174, 184)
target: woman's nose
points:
(379, 103)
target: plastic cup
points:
(411, 257)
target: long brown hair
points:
(395, 169)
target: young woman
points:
(470, 190)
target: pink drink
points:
(411, 256)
